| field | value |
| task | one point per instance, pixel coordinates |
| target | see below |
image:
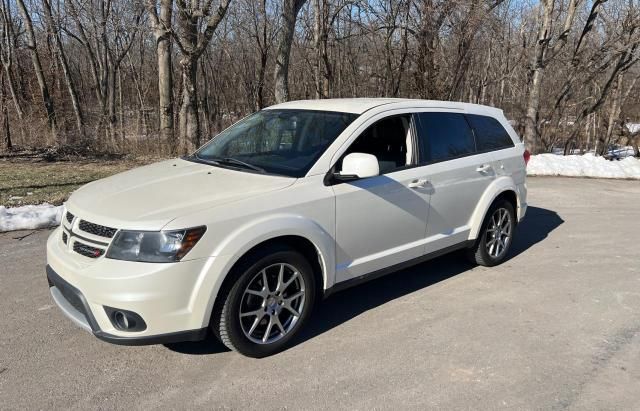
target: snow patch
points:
(29, 217)
(587, 165)
(633, 127)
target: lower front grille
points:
(69, 294)
(87, 250)
(65, 238)
(73, 297)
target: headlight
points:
(154, 246)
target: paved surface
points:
(556, 326)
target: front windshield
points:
(285, 142)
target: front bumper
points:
(73, 304)
(169, 297)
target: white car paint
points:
(445, 206)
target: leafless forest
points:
(163, 76)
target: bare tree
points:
(161, 24)
(192, 43)
(540, 60)
(47, 100)
(71, 86)
(7, 54)
(290, 11)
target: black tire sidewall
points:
(253, 266)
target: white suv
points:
(285, 207)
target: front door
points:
(381, 221)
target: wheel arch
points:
(303, 235)
(501, 188)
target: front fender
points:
(497, 187)
(240, 241)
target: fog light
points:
(124, 320)
(120, 320)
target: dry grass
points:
(34, 182)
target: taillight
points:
(527, 157)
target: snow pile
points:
(586, 165)
(29, 217)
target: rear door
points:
(491, 137)
(458, 176)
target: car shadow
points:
(210, 345)
(348, 304)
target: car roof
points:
(360, 105)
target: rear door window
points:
(444, 136)
(489, 133)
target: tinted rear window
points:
(444, 136)
(490, 135)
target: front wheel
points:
(496, 235)
(268, 304)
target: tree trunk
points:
(8, 145)
(47, 101)
(65, 68)
(14, 94)
(165, 71)
(111, 98)
(290, 11)
(614, 111)
(189, 122)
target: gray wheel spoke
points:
(265, 281)
(291, 310)
(290, 280)
(255, 323)
(299, 294)
(262, 293)
(256, 313)
(277, 322)
(267, 332)
(280, 278)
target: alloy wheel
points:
(272, 303)
(498, 233)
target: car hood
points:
(149, 197)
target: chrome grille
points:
(87, 250)
(96, 229)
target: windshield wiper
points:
(235, 161)
(197, 159)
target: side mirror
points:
(358, 165)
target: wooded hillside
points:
(163, 76)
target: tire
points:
(482, 252)
(250, 319)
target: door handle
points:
(484, 168)
(418, 183)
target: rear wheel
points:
(268, 304)
(496, 235)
